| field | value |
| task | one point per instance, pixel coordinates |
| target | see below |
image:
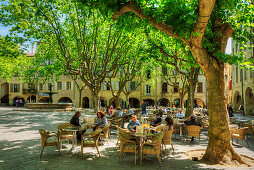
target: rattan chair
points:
(249, 131)
(48, 139)
(115, 123)
(65, 135)
(166, 140)
(90, 140)
(105, 133)
(193, 131)
(152, 147)
(240, 134)
(127, 143)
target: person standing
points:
(143, 106)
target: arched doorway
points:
(18, 101)
(113, 102)
(44, 100)
(5, 99)
(237, 101)
(149, 102)
(163, 102)
(134, 102)
(198, 103)
(32, 98)
(176, 102)
(5, 93)
(85, 102)
(65, 100)
(249, 102)
(103, 102)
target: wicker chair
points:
(152, 147)
(127, 143)
(166, 140)
(65, 135)
(193, 131)
(176, 127)
(48, 139)
(115, 123)
(105, 133)
(90, 140)
(240, 134)
(249, 131)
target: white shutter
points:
(117, 85)
(129, 86)
(54, 87)
(72, 85)
(64, 85)
(151, 90)
(113, 85)
(145, 90)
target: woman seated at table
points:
(168, 126)
(156, 121)
(101, 121)
(133, 123)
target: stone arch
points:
(44, 100)
(64, 100)
(112, 102)
(249, 101)
(18, 101)
(134, 102)
(150, 102)
(5, 93)
(163, 102)
(103, 102)
(237, 101)
(33, 99)
(85, 102)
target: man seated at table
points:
(133, 123)
(192, 120)
(156, 121)
(75, 121)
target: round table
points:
(73, 130)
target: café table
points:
(181, 128)
(73, 130)
(240, 122)
(141, 138)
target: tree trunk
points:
(95, 100)
(127, 101)
(117, 100)
(181, 100)
(219, 149)
(190, 100)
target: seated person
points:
(75, 121)
(101, 121)
(192, 120)
(130, 111)
(156, 121)
(168, 126)
(180, 115)
(118, 112)
(133, 123)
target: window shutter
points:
(72, 85)
(145, 90)
(113, 85)
(117, 85)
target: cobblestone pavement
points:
(20, 147)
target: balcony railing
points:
(30, 91)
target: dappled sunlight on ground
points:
(20, 146)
